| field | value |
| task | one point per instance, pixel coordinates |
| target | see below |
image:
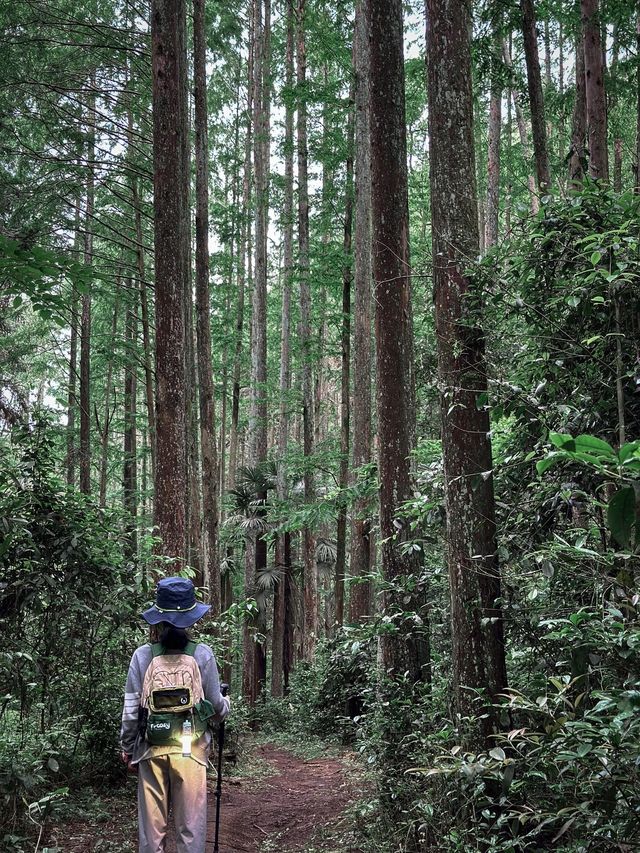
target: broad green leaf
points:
(497, 753)
(621, 515)
(543, 465)
(629, 450)
(563, 440)
(591, 444)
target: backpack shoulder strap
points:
(157, 649)
(190, 648)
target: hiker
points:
(172, 692)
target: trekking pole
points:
(224, 689)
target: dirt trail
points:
(294, 808)
(290, 807)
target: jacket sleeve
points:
(211, 685)
(133, 689)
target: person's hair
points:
(170, 636)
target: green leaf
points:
(621, 515)
(562, 440)
(497, 753)
(596, 257)
(591, 444)
(629, 450)
(543, 465)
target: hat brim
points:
(177, 618)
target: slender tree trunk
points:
(243, 263)
(210, 561)
(578, 154)
(280, 596)
(522, 133)
(72, 401)
(495, 131)
(394, 350)
(595, 93)
(146, 336)
(85, 327)
(477, 631)
(130, 468)
(360, 597)
(103, 429)
(637, 164)
(308, 548)
(170, 152)
(536, 97)
(345, 390)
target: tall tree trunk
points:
(258, 402)
(85, 327)
(360, 596)
(394, 349)
(637, 164)
(130, 467)
(243, 265)
(536, 97)
(495, 131)
(103, 428)
(279, 601)
(72, 401)
(171, 177)
(345, 372)
(210, 562)
(146, 336)
(477, 630)
(595, 93)
(522, 131)
(308, 546)
(578, 154)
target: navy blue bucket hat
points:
(176, 604)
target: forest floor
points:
(281, 802)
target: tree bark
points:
(308, 546)
(345, 372)
(170, 154)
(72, 401)
(279, 601)
(578, 154)
(209, 460)
(394, 349)
(495, 131)
(146, 336)
(522, 132)
(360, 593)
(595, 92)
(103, 429)
(536, 97)
(130, 466)
(637, 164)
(478, 647)
(85, 323)
(243, 263)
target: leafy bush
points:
(68, 606)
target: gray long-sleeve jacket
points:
(131, 743)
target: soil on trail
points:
(296, 806)
(293, 807)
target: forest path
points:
(297, 805)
